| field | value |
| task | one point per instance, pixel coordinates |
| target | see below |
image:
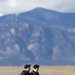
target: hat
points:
(36, 66)
(27, 66)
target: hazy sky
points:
(17, 6)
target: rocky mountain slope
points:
(38, 36)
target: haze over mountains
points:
(40, 36)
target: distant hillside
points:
(38, 36)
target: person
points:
(35, 70)
(27, 70)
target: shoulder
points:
(22, 73)
(32, 73)
(37, 73)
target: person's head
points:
(36, 68)
(27, 67)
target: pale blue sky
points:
(17, 6)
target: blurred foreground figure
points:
(35, 70)
(27, 70)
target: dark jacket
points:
(25, 73)
(34, 73)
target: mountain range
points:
(41, 36)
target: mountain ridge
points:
(37, 36)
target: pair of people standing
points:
(27, 70)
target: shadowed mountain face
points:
(39, 36)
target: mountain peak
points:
(41, 9)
